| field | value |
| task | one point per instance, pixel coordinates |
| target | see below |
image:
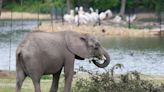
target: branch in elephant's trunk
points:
(105, 59)
(100, 61)
(95, 59)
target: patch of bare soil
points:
(6, 74)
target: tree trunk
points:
(1, 2)
(122, 9)
(69, 5)
(43, 1)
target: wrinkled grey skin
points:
(42, 53)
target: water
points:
(14, 35)
(145, 55)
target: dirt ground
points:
(6, 74)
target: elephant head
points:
(86, 46)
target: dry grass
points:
(97, 30)
(24, 15)
(103, 30)
(157, 79)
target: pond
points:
(143, 54)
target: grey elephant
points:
(43, 53)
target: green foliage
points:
(104, 82)
(153, 5)
(105, 4)
(59, 3)
(97, 4)
(44, 6)
(25, 7)
(46, 77)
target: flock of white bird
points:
(79, 16)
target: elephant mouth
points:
(78, 57)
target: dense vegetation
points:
(45, 5)
(110, 82)
(107, 82)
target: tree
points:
(103, 5)
(122, 9)
(1, 1)
(69, 5)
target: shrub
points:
(105, 82)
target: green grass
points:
(89, 82)
(80, 84)
(8, 85)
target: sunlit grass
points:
(7, 84)
(95, 30)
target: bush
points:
(105, 82)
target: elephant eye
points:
(97, 45)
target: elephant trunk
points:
(105, 63)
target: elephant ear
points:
(76, 44)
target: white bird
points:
(102, 16)
(94, 16)
(117, 19)
(105, 15)
(81, 18)
(108, 13)
(81, 11)
(69, 17)
(130, 18)
(91, 9)
(76, 9)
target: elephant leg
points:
(20, 77)
(55, 82)
(36, 82)
(68, 69)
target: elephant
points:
(45, 53)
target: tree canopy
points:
(152, 5)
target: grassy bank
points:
(89, 82)
(103, 30)
(8, 15)
(7, 84)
